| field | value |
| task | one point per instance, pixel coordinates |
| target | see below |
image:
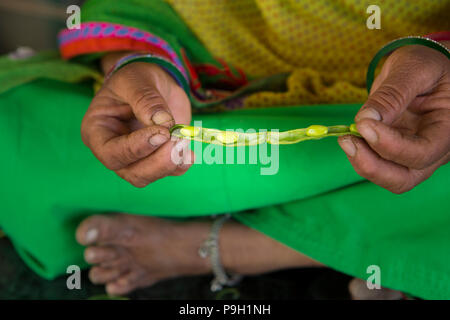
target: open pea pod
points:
(240, 138)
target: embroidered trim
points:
(95, 37)
(101, 36)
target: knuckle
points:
(170, 166)
(367, 170)
(421, 161)
(423, 155)
(401, 187)
(138, 183)
(137, 180)
(148, 99)
(389, 98)
(111, 159)
(130, 152)
(110, 162)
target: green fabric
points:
(361, 225)
(316, 203)
(153, 16)
(43, 65)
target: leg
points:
(131, 251)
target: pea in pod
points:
(236, 138)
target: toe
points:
(99, 275)
(99, 255)
(128, 283)
(97, 229)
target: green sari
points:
(315, 203)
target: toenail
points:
(91, 235)
(112, 289)
(90, 255)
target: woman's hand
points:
(126, 125)
(405, 122)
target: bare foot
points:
(359, 291)
(130, 252)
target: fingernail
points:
(182, 144)
(368, 113)
(188, 158)
(368, 133)
(157, 139)
(91, 235)
(348, 146)
(161, 117)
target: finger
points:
(188, 161)
(117, 152)
(142, 94)
(111, 121)
(371, 166)
(163, 162)
(417, 151)
(124, 150)
(405, 77)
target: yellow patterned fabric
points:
(324, 44)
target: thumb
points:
(141, 91)
(150, 107)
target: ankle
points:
(192, 236)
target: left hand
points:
(405, 122)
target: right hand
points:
(127, 124)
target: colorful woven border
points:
(95, 37)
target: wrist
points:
(170, 69)
(110, 59)
(446, 43)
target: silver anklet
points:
(211, 248)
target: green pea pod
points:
(236, 138)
